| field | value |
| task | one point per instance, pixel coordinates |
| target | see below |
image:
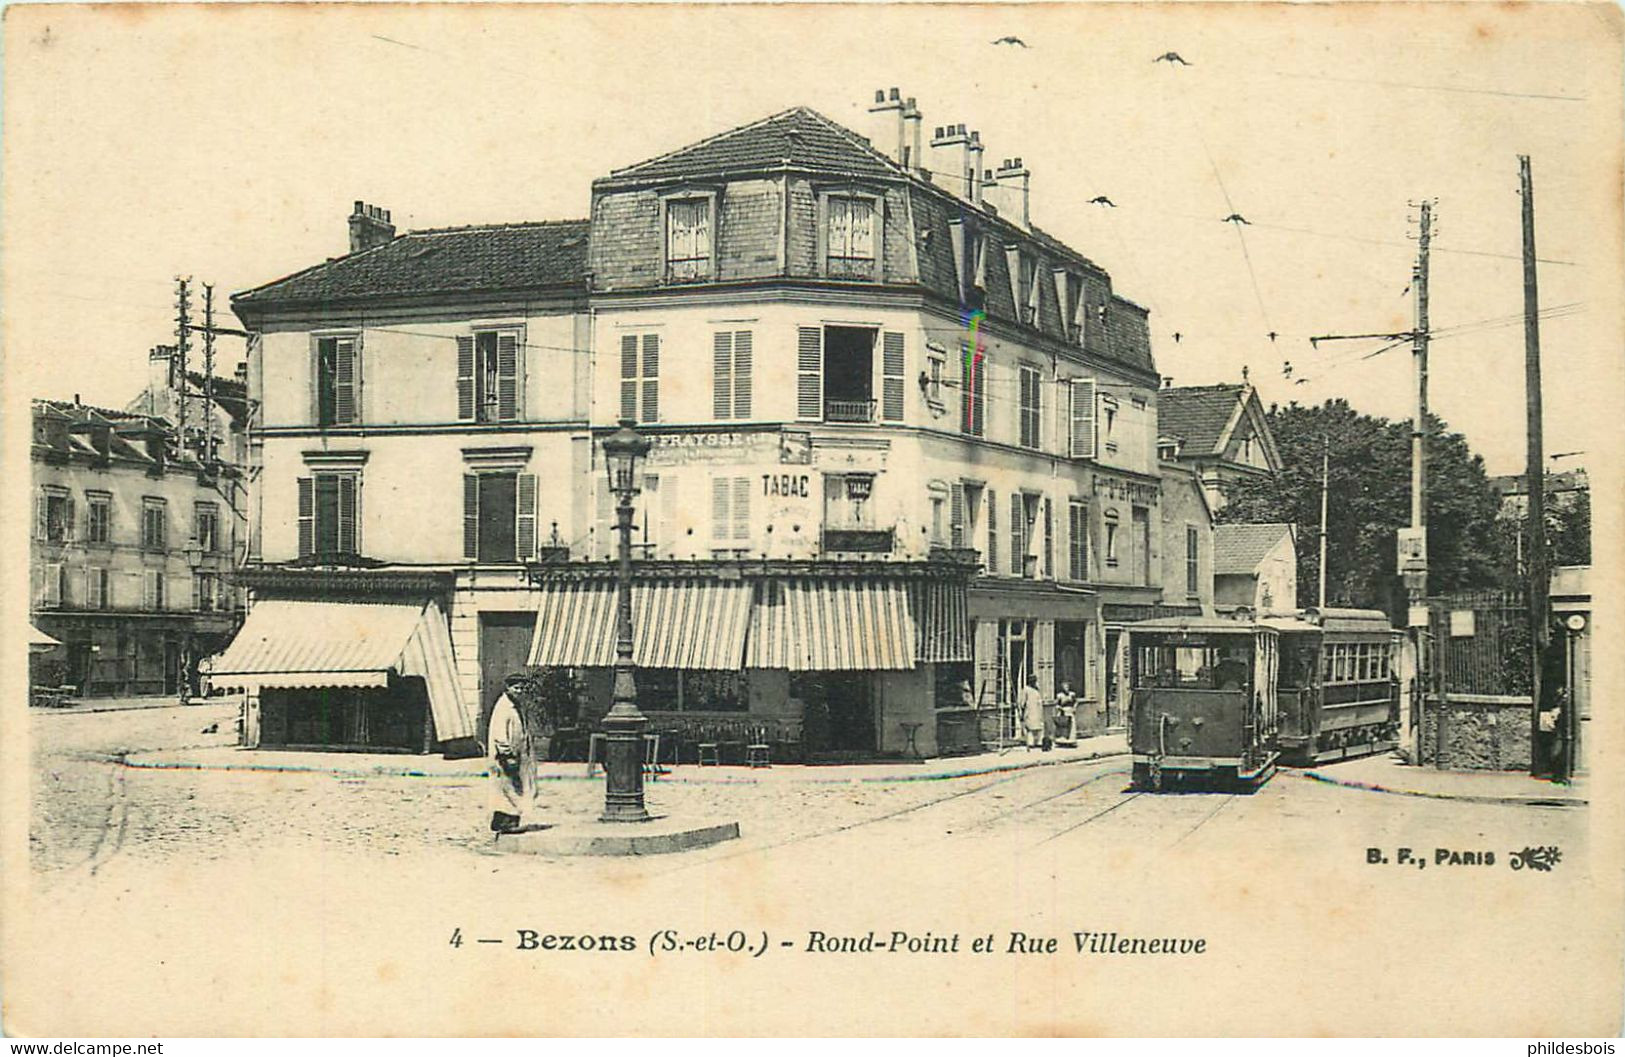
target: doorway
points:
(504, 650)
(172, 667)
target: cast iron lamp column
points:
(624, 451)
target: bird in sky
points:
(1171, 57)
(1237, 218)
(1286, 369)
(1177, 336)
(1272, 336)
(1011, 40)
(1102, 200)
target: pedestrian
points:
(512, 762)
(1031, 706)
(1066, 712)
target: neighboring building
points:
(1255, 566)
(1563, 490)
(902, 440)
(1219, 431)
(132, 546)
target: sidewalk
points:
(80, 705)
(1386, 774)
(355, 764)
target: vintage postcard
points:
(815, 520)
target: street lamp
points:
(624, 452)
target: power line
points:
(1433, 87)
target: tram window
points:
(1297, 667)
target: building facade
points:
(134, 539)
(1219, 431)
(1255, 567)
(904, 446)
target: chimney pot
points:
(369, 227)
(894, 94)
(880, 95)
(976, 136)
(959, 130)
(937, 132)
(359, 206)
(1018, 163)
(987, 174)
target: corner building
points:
(904, 442)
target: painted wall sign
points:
(786, 484)
(1139, 492)
(721, 446)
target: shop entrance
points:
(840, 710)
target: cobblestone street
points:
(148, 836)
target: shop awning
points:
(831, 625)
(942, 618)
(675, 624)
(286, 644)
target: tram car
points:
(1338, 685)
(1202, 703)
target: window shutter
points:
(524, 529)
(651, 378)
(471, 516)
(810, 373)
(721, 504)
(742, 373)
(957, 236)
(307, 516)
(722, 376)
(1012, 261)
(1044, 657)
(197, 593)
(1049, 542)
(149, 589)
(892, 362)
(990, 500)
(347, 514)
(629, 377)
(508, 376)
(741, 510)
(344, 381)
(68, 524)
(53, 584)
(1062, 299)
(985, 635)
(1018, 533)
(956, 515)
(1083, 418)
(42, 528)
(979, 396)
(465, 377)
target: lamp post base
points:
(623, 769)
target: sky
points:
(227, 143)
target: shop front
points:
(1029, 630)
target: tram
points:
(1202, 702)
(1338, 685)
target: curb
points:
(1516, 799)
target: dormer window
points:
(850, 237)
(1023, 283)
(688, 239)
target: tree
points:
(1369, 500)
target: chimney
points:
(950, 158)
(891, 137)
(1015, 184)
(974, 165)
(369, 227)
(161, 380)
(912, 122)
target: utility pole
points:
(1413, 551)
(208, 375)
(183, 337)
(1325, 476)
(1535, 477)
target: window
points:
(499, 517)
(152, 595)
(203, 592)
(1108, 423)
(1078, 536)
(98, 589)
(154, 524)
(1081, 436)
(98, 517)
(328, 514)
(1031, 401)
(847, 500)
(1193, 540)
(1023, 521)
(964, 506)
(338, 383)
(730, 511)
(851, 237)
(640, 377)
(207, 532)
(731, 374)
(972, 391)
(489, 376)
(692, 690)
(933, 381)
(1023, 284)
(939, 516)
(55, 514)
(1111, 539)
(688, 239)
(52, 586)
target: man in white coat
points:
(513, 765)
(1030, 705)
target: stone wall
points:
(1478, 737)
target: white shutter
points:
(743, 383)
(1044, 657)
(1083, 418)
(650, 409)
(1062, 298)
(307, 516)
(893, 364)
(465, 377)
(810, 373)
(985, 643)
(962, 264)
(722, 374)
(53, 584)
(524, 529)
(508, 376)
(347, 486)
(741, 509)
(345, 388)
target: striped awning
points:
(831, 625)
(288, 644)
(941, 616)
(675, 624)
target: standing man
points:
(1066, 712)
(1031, 707)
(513, 762)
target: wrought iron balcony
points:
(849, 410)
